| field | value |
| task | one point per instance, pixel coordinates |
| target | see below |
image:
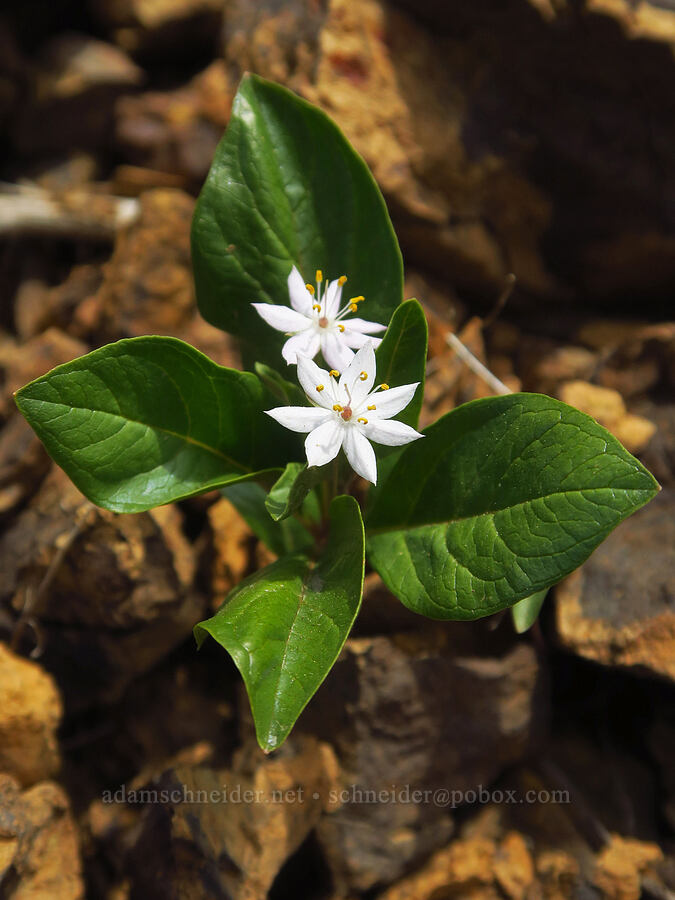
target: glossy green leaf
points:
(402, 355)
(284, 537)
(289, 492)
(286, 392)
(285, 189)
(150, 420)
(502, 498)
(401, 359)
(285, 626)
(526, 612)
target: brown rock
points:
(396, 732)
(219, 833)
(23, 463)
(78, 79)
(174, 133)
(620, 866)
(618, 608)
(159, 25)
(37, 307)
(513, 867)
(232, 539)
(608, 407)
(558, 873)
(39, 855)
(21, 364)
(30, 713)
(109, 595)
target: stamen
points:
(371, 407)
(334, 373)
(317, 307)
(353, 307)
(319, 275)
(358, 299)
(341, 327)
(363, 376)
(342, 280)
(319, 387)
(310, 288)
(384, 387)
(338, 408)
(361, 419)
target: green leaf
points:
(402, 355)
(401, 359)
(525, 612)
(502, 498)
(289, 394)
(291, 489)
(285, 626)
(286, 188)
(150, 420)
(284, 537)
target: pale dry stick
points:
(76, 213)
(476, 366)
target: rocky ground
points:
(531, 137)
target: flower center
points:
(346, 413)
(323, 322)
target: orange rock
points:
(620, 865)
(608, 407)
(30, 713)
(513, 867)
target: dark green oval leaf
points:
(285, 626)
(150, 420)
(502, 498)
(286, 188)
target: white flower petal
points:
(301, 299)
(323, 444)
(393, 434)
(356, 340)
(299, 418)
(331, 301)
(281, 317)
(304, 344)
(352, 379)
(388, 403)
(360, 454)
(335, 351)
(310, 377)
(362, 326)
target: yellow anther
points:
(334, 373)
(338, 408)
(319, 275)
(342, 280)
(319, 387)
(363, 376)
(361, 419)
(371, 407)
(341, 327)
(317, 307)
(384, 387)
(353, 307)
(310, 288)
(358, 299)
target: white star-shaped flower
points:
(316, 322)
(348, 413)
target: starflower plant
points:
(484, 511)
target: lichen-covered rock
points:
(30, 713)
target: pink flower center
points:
(346, 413)
(323, 321)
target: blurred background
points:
(526, 150)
